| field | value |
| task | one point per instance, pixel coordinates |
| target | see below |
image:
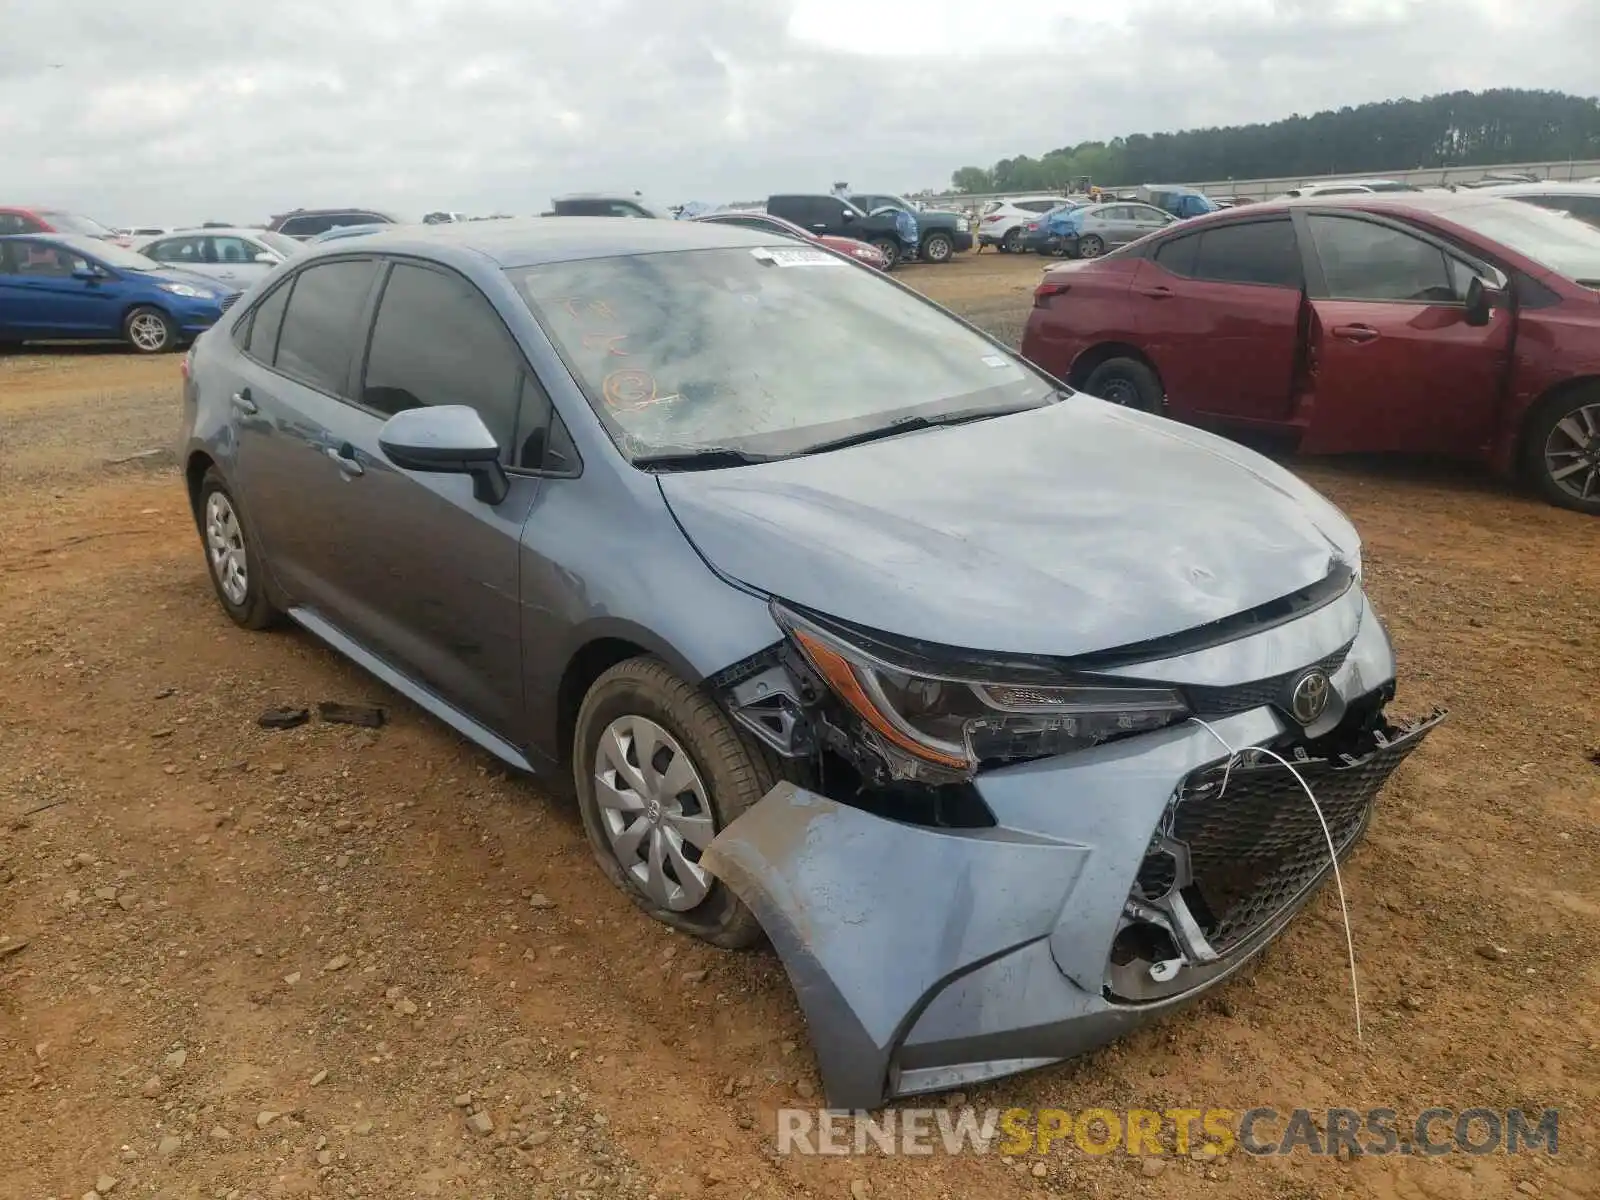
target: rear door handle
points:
(1157, 293)
(344, 457)
(1355, 333)
(242, 402)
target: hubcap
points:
(1089, 248)
(225, 548)
(938, 249)
(147, 331)
(1120, 391)
(654, 810)
(1572, 452)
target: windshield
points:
(65, 222)
(110, 254)
(765, 351)
(285, 246)
(1553, 239)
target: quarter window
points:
(322, 326)
(1362, 260)
(1249, 252)
(438, 341)
(265, 323)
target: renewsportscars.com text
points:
(1207, 1132)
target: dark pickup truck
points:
(940, 234)
(837, 217)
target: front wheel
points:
(1128, 382)
(1561, 452)
(660, 771)
(890, 249)
(1090, 246)
(150, 331)
(937, 248)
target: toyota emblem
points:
(1310, 696)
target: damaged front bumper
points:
(1115, 884)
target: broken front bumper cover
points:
(1117, 884)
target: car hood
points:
(206, 283)
(1065, 530)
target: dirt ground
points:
(269, 964)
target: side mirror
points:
(1481, 299)
(847, 215)
(89, 274)
(268, 259)
(447, 439)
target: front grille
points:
(1255, 845)
(1242, 697)
(229, 301)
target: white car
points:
(1350, 187)
(1004, 223)
(236, 256)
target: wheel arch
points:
(194, 471)
(586, 664)
(1086, 363)
(1521, 449)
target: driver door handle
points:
(344, 457)
(1355, 333)
(242, 402)
(1159, 292)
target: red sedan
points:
(869, 256)
(51, 220)
(1461, 325)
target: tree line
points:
(1458, 129)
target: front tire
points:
(659, 772)
(937, 248)
(237, 571)
(150, 331)
(1561, 450)
(1128, 382)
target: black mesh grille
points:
(1224, 701)
(229, 300)
(1255, 845)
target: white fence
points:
(1261, 189)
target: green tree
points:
(973, 180)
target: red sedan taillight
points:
(1047, 289)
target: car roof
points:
(535, 241)
(1550, 188)
(1439, 203)
(208, 231)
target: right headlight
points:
(977, 713)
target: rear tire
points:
(936, 248)
(1128, 382)
(890, 249)
(1562, 434)
(150, 331)
(725, 773)
(1091, 246)
(235, 565)
(1012, 242)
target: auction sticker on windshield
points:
(799, 256)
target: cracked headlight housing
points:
(977, 712)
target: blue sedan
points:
(81, 289)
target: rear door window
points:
(307, 226)
(436, 340)
(1261, 252)
(322, 326)
(1363, 260)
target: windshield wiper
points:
(708, 458)
(913, 423)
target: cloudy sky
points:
(235, 109)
